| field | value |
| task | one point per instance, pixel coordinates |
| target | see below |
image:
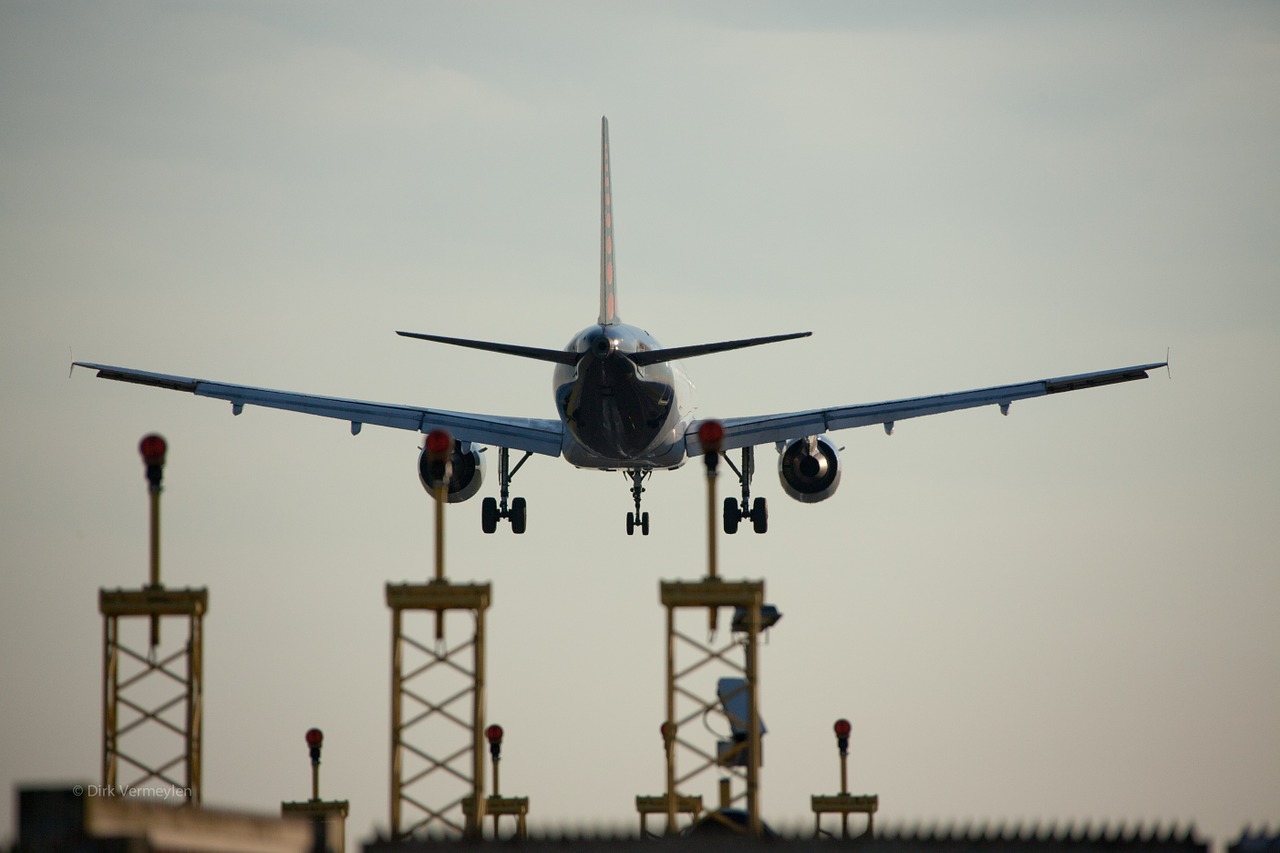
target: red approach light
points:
(438, 443)
(153, 448)
(666, 728)
(494, 734)
(711, 435)
(843, 728)
(315, 737)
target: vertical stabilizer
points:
(608, 287)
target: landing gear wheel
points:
(492, 511)
(732, 515)
(519, 515)
(757, 510)
(489, 515)
(638, 518)
(760, 515)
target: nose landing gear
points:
(638, 518)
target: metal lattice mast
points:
(151, 699)
(437, 756)
(437, 712)
(689, 664)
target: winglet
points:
(608, 288)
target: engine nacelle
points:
(468, 471)
(809, 469)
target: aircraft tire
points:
(631, 524)
(731, 516)
(760, 515)
(519, 515)
(489, 515)
(644, 523)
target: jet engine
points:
(467, 463)
(809, 469)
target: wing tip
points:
(1104, 377)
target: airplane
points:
(618, 398)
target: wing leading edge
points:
(531, 434)
(765, 429)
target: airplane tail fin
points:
(608, 286)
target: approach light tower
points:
(437, 741)
(328, 817)
(152, 699)
(497, 805)
(689, 665)
(844, 803)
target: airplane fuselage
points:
(618, 414)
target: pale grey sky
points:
(1066, 615)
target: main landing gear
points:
(759, 508)
(491, 510)
(638, 518)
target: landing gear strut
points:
(638, 518)
(757, 510)
(492, 510)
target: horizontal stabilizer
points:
(640, 359)
(656, 356)
(554, 355)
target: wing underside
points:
(531, 434)
(765, 429)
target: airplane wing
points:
(532, 434)
(765, 429)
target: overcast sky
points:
(1066, 615)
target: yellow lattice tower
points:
(156, 696)
(437, 689)
(437, 711)
(689, 663)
